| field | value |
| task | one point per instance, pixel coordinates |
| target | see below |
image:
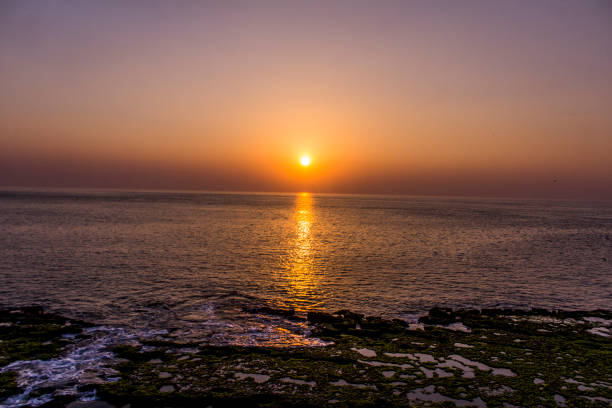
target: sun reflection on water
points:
(302, 275)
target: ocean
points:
(204, 265)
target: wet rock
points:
(89, 404)
(440, 315)
(348, 315)
(377, 325)
(59, 401)
(345, 321)
(42, 391)
(87, 387)
(323, 317)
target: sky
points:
(483, 98)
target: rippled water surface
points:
(199, 262)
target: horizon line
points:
(5, 189)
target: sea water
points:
(199, 264)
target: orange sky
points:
(398, 97)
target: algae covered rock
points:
(483, 358)
(30, 333)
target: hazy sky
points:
(433, 97)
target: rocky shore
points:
(482, 358)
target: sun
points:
(305, 161)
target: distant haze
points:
(489, 98)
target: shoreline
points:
(487, 357)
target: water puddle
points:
(298, 382)
(258, 378)
(364, 352)
(343, 383)
(429, 394)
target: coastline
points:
(490, 357)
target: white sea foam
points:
(86, 362)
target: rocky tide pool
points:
(487, 358)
